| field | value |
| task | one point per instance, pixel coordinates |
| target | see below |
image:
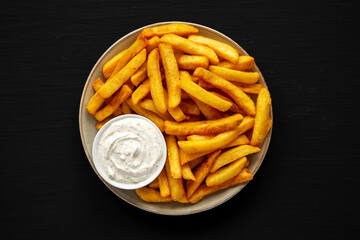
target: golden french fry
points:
(158, 121)
(189, 107)
(173, 155)
(263, 105)
(190, 47)
(151, 195)
(208, 111)
(196, 137)
(180, 29)
(226, 173)
(125, 108)
(148, 104)
(221, 49)
(176, 112)
(244, 176)
(118, 98)
(152, 43)
(109, 67)
(187, 157)
(156, 87)
(201, 172)
(140, 75)
(114, 83)
(102, 123)
(249, 88)
(154, 184)
(234, 108)
(141, 92)
(240, 98)
(191, 62)
(95, 103)
(233, 154)
(206, 127)
(241, 140)
(164, 183)
(186, 172)
(97, 84)
(129, 53)
(201, 94)
(235, 75)
(171, 74)
(176, 185)
(244, 63)
(194, 163)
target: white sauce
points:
(130, 150)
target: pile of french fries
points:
(200, 93)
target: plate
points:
(87, 126)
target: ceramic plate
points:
(87, 125)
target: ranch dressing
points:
(129, 150)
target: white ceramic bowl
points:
(87, 126)
(99, 166)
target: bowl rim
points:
(265, 144)
(127, 186)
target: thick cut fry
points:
(148, 104)
(151, 195)
(118, 98)
(195, 137)
(244, 63)
(164, 183)
(208, 111)
(189, 107)
(186, 172)
(240, 98)
(249, 88)
(233, 154)
(158, 121)
(114, 83)
(176, 112)
(109, 67)
(191, 62)
(171, 74)
(187, 157)
(235, 75)
(129, 53)
(206, 127)
(201, 94)
(140, 75)
(141, 92)
(173, 155)
(156, 87)
(241, 140)
(102, 123)
(234, 108)
(154, 184)
(226, 173)
(190, 47)
(180, 29)
(263, 105)
(95, 103)
(176, 185)
(97, 84)
(194, 163)
(221, 49)
(244, 176)
(125, 108)
(152, 43)
(201, 172)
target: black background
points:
(308, 185)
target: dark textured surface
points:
(307, 187)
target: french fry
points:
(180, 29)
(226, 173)
(249, 88)
(244, 63)
(240, 98)
(187, 157)
(206, 127)
(208, 111)
(234, 108)
(241, 140)
(118, 98)
(141, 92)
(151, 195)
(263, 105)
(154, 184)
(95, 103)
(191, 62)
(176, 185)
(114, 83)
(97, 84)
(235, 75)
(140, 75)
(156, 87)
(194, 163)
(186, 172)
(176, 112)
(125, 108)
(189, 107)
(195, 137)
(109, 67)
(129, 53)
(171, 74)
(102, 123)
(164, 183)
(152, 43)
(190, 47)
(221, 49)
(201, 94)
(173, 155)
(148, 104)
(201, 172)
(158, 121)
(244, 176)
(233, 154)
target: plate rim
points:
(86, 85)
